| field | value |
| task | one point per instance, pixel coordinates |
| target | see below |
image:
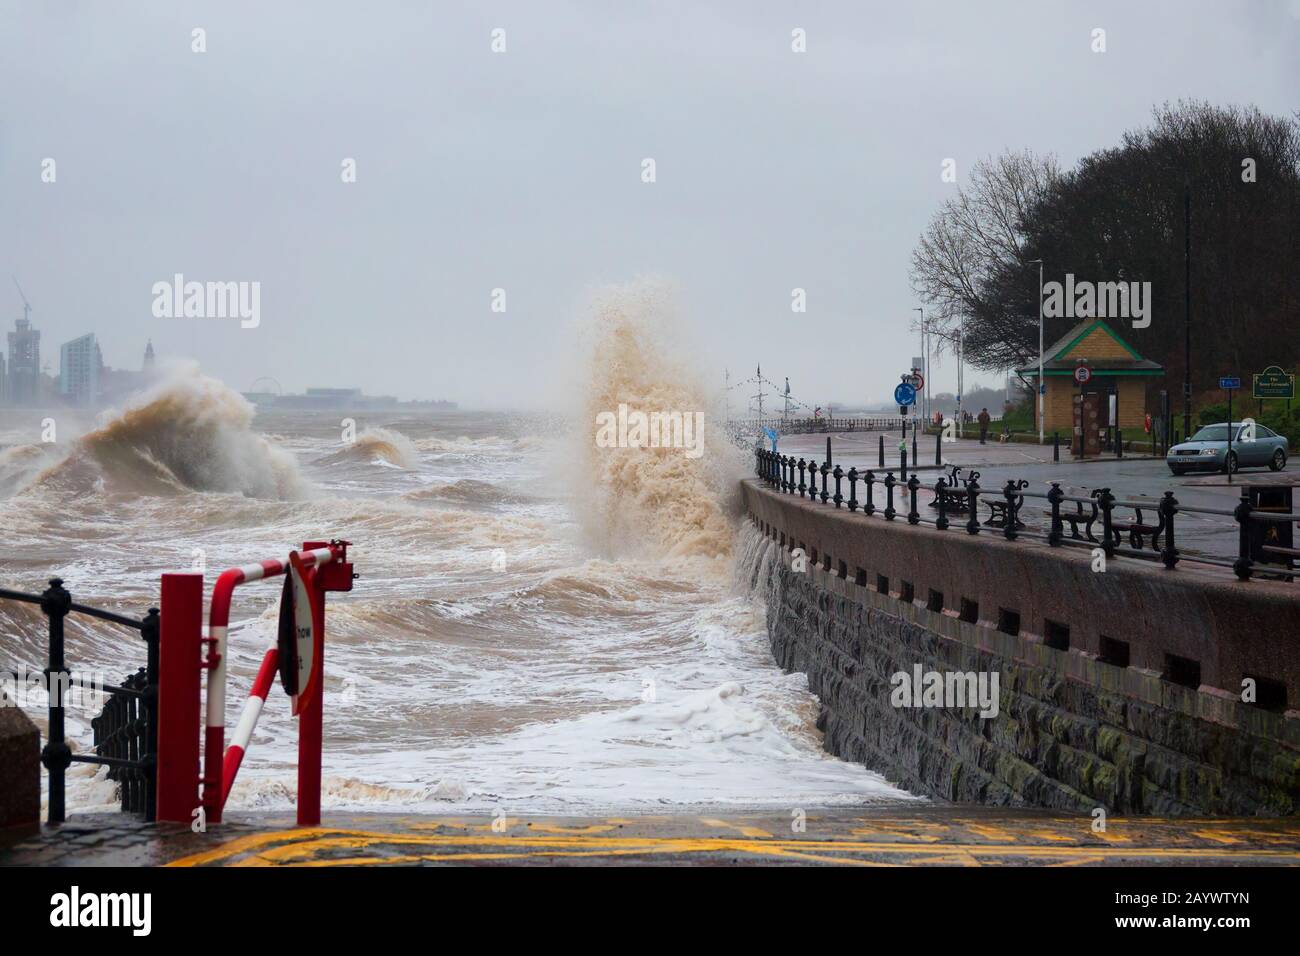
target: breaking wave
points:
(190, 432)
(377, 444)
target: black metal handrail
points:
(126, 732)
(1005, 505)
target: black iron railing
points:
(126, 732)
(811, 425)
(1148, 526)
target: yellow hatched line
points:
(301, 847)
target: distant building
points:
(24, 364)
(80, 364)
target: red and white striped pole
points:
(214, 738)
(329, 557)
(248, 720)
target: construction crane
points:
(27, 306)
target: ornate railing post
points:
(942, 521)
(972, 495)
(826, 470)
(150, 632)
(1009, 526)
(802, 487)
(839, 474)
(853, 489)
(812, 478)
(889, 496)
(913, 483)
(1169, 508)
(785, 473)
(57, 755)
(1057, 531)
(869, 507)
(1107, 502)
(1242, 566)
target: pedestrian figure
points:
(984, 424)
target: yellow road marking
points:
(302, 847)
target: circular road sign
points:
(1082, 374)
(904, 394)
(917, 381)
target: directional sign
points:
(904, 394)
(1082, 374)
(1229, 382)
(1273, 383)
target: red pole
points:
(180, 635)
(310, 719)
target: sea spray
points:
(657, 502)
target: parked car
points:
(1207, 450)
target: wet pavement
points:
(931, 835)
(1129, 479)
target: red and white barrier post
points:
(322, 566)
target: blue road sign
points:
(771, 436)
(1230, 381)
(904, 394)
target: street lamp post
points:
(1042, 396)
(1187, 309)
(925, 367)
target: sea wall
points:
(1120, 690)
(20, 773)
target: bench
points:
(1137, 529)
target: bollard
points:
(1056, 446)
(882, 451)
(1119, 443)
(902, 468)
(916, 459)
(938, 447)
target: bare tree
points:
(971, 245)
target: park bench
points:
(1137, 529)
(998, 508)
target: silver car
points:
(1207, 450)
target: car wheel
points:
(1278, 460)
(1179, 471)
(1230, 463)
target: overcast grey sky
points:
(522, 170)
